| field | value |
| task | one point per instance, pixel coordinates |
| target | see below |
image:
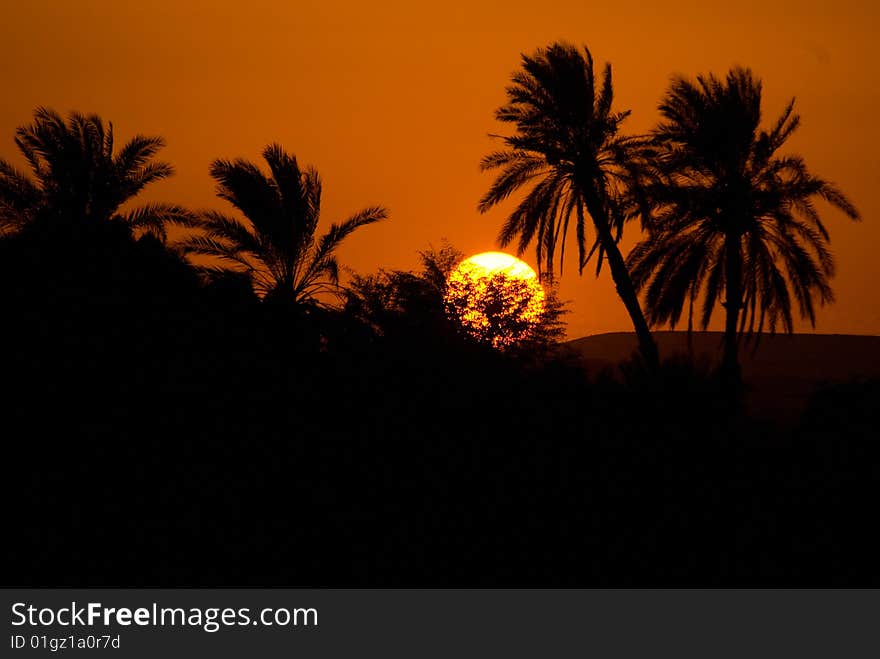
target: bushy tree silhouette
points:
(500, 311)
(77, 179)
(733, 217)
(569, 152)
(496, 309)
(402, 301)
(275, 244)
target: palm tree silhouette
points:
(275, 244)
(567, 148)
(731, 215)
(78, 180)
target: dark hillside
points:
(781, 372)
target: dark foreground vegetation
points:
(159, 431)
(182, 407)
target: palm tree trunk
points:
(730, 369)
(627, 293)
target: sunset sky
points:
(392, 102)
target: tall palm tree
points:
(732, 216)
(274, 244)
(78, 180)
(569, 152)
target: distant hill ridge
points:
(831, 356)
(781, 374)
(801, 355)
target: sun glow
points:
(496, 297)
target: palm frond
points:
(17, 191)
(243, 185)
(515, 174)
(137, 153)
(230, 229)
(154, 218)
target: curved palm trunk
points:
(627, 293)
(730, 369)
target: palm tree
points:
(274, 244)
(568, 151)
(78, 181)
(732, 216)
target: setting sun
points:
(496, 298)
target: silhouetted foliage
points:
(569, 152)
(423, 305)
(77, 178)
(399, 301)
(847, 409)
(502, 311)
(275, 244)
(549, 331)
(162, 429)
(733, 217)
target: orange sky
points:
(392, 101)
